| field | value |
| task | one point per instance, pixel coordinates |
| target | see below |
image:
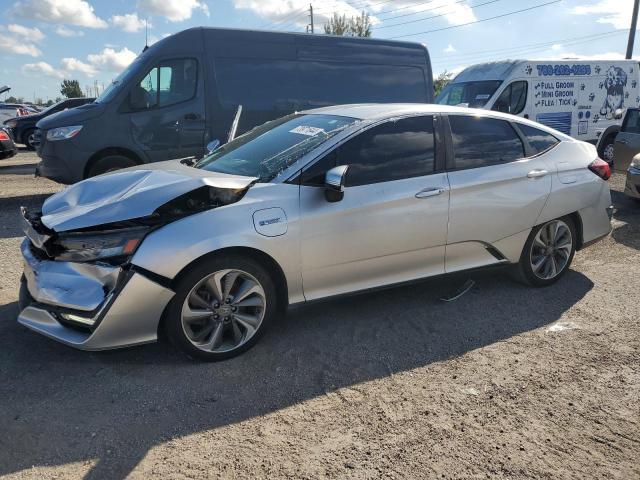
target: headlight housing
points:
(90, 246)
(63, 133)
(635, 163)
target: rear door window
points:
(539, 140)
(480, 142)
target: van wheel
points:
(548, 253)
(221, 308)
(29, 138)
(110, 163)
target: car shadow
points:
(628, 213)
(28, 168)
(61, 405)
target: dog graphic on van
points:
(614, 83)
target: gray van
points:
(204, 85)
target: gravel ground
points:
(507, 382)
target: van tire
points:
(28, 138)
(110, 163)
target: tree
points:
(352, 27)
(360, 26)
(337, 25)
(71, 88)
(441, 81)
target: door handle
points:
(429, 192)
(536, 173)
(191, 116)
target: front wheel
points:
(548, 253)
(221, 308)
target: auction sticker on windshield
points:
(306, 130)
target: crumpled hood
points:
(128, 194)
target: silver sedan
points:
(315, 204)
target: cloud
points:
(18, 47)
(173, 10)
(112, 60)
(67, 12)
(32, 34)
(41, 68)
(67, 32)
(450, 49)
(109, 60)
(75, 65)
(556, 47)
(129, 22)
(613, 12)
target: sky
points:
(44, 41)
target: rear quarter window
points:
(539, 140)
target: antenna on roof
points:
(146, 34)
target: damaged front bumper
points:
(89, 306)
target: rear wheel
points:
(607, 149)
(221, 308)
(548, 253)
(110, 163)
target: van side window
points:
(631, 122)
(539, 140)
(172, 81)
(481, 141)
(394, 150)
(513, 99)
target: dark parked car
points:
(24, 127)
(185, 91)
(7, 147)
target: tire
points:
(110, 163)
(607, 150)
(28, 139)
(203, 325)
(559, 253)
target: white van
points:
(583, 99)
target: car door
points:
(166, 110)
(391, 225)
(496, 193)
(627, 143)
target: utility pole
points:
(311, 15)
(632, 31)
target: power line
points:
(491, 54)
(287, 18)
(478, 21)
(434, 16)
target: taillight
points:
(3, 135)
(600, 168)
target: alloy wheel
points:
(551, 250)
(607, 153)
(223, 311)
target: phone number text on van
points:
(547, 70)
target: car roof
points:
(381, 111)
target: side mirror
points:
(618, 114)
(213, 145)
(334, 181)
